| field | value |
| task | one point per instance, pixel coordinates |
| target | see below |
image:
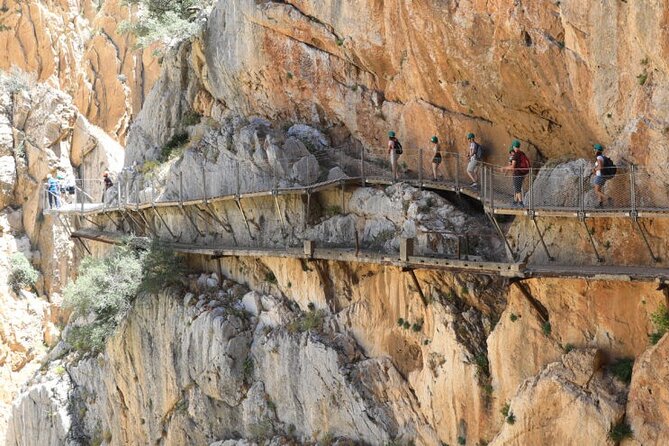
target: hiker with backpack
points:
(604, 170)
(394, 150)
(519, 165)
(436, 156)
(474, 156)
(53, 191)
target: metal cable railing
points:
(568, 189)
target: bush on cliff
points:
(105, 288)
(22, 274)
(168, 21)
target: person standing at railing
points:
(519, 166)
(604, 170)
(106, 179)
(436, 156)
(394, 150)
(53, 191)
(474, 155)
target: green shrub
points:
(546, 328)
(505, 410)
(660, 319)
(22, 274)
(106, 287)
(271, 278)
(568, 348)
(311, 320)
(514, 317)
(400, 322)
(620, 431)
(622, 369)
(176, 141)
(161, 20)
(642, 78)
(462, 440)
(511, 418)
(191, 118)
(161, 267)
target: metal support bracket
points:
(416, 283)
(541, 237)
(160, 217)
(190, 219)
(592, 241)
(640, 227)
(509, 251)
(246, 221)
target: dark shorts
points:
(599, 180)
(437, 159)
(518, 183)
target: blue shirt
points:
(52, 185)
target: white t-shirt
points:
(472, 149)
(599, 171)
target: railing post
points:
(581, 191)
(362, 165)
(531, 186)
(237, 177)
(83, 193)
(136, 193)
(491, 180)
(633, 191)
(482, 187)
(457, 172)
(181, 188)
(420, 168)
(204, 182)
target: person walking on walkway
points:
(436, 156)
(473, 156)
(519, 166)
(53, 191)
(601, 175)
(394, 150)
(108, 183)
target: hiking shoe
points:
(514, 203)
(600, 205)
(610, 201)
(521, 204)
(474, 185)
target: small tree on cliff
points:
(166, 21)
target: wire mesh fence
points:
(573, 187)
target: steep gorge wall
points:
(76, 47)
(558, 76)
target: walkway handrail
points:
(566, 190)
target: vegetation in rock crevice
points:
(105, 289)
(166, 21)
(22, 273)
(660, 320)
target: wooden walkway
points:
(511, 270)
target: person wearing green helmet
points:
(603, 170)
(436, 156)
(394, 151)
(519, 166)
(474, 155)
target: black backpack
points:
(398, 147)
(609, 167)
(480, 150)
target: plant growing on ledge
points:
(660, 319)
(166, 21)
(176, 141)
(105, 288)
(22, 274)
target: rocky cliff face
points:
(559, 77)
(314, 351)
(75, 46)
(41, 132)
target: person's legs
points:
(393, 164)
(518, 188)
(599, 183)
(434, 170)
(471, 170)
(51, 199)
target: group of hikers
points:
(55, 187)
(518, 165)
